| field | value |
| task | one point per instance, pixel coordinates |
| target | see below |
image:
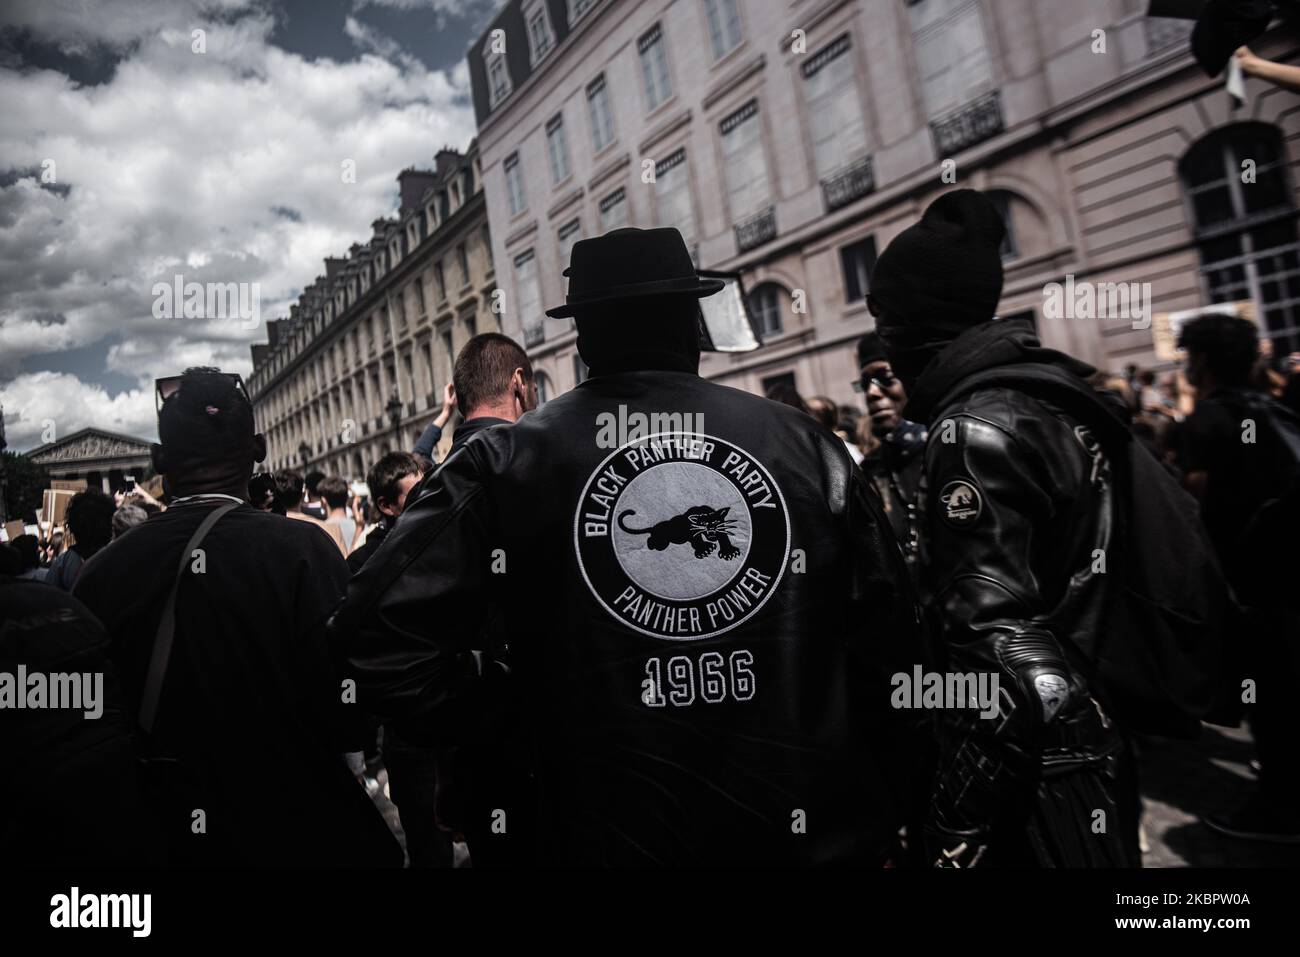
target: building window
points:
(440, 281)
(543, 383)
(1246, 232)
(557, 150)
(515, 185)
(450, 352)
(724, 26)
(654, 67)
(570, 233)
(952, 53)
(839, 135)
(613, 210)
(673, 196)
(745, 162)
(530, 297)
(782, 383)
(471, 325)
(462, 260)
(418, 286)
(498, 79)
(539, 31)
(1001, 201)
(765, 307)
(858, 260)
(602, 122)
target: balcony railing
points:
(975, 122)
(533, 335)
(756, 230)
(852, 182)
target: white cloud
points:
(54, 403)
(223, 166)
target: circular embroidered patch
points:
(681, 536)
(960, 504)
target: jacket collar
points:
(472, 427)
(1002, 342)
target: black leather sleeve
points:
(989, 501)
(411, 618)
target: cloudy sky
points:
(126, 157)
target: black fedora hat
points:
(631, 263)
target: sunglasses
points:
(883, 379)
(164, 389)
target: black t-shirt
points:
(251, 702)
(1243, 466)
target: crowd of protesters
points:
(337, 632)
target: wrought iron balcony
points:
(973, 123)
(533, 335)
(849, 183)
(756, 230)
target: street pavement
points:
(1181, 781)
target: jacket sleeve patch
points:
(960, 503)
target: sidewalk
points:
(1184, 780)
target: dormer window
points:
(498, 77)
(540, 37)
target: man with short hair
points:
(313, 505)
(492, 383)
(249, 675)
(90, 519)
(701, 623)
(1241, 454)
(126, 518)
(334, 493)
(390, 480)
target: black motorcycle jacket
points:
(1018, 515)
(703, 604)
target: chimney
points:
(447, 161)
(332, 266)
(413, 184)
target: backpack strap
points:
(162, 645)
(1077, 399)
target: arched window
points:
(1245, 224)
(766, 303)
(1002, 201)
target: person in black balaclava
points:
(1012, 513)
(895, 464)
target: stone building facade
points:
(792, 139)
(103, 459)
(358, 367)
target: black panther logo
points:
(705, 528)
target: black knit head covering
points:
(871, 349)
(938, 278)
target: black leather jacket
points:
(1018, 518)
(702, 626)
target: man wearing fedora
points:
(702, 620)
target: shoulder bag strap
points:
(162, 645)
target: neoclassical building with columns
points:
(358, 367)
(790, 141)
